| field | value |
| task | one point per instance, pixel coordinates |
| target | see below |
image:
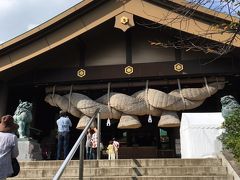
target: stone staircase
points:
(126, 169)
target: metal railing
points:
(80, 142)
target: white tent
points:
(199, 134)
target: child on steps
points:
(111, 150)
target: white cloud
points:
(18, 16)
(31, 26)
(6, 4)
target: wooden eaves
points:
(90, 13)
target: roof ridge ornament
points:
(124, 21)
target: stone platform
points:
(29, 149)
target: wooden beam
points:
(164, 82)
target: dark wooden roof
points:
(90, 13)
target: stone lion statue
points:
(229, 105)
(23, 117)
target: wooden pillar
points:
(3, 97)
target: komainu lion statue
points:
(23, 117)
(229, 105)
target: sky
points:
(19, 16)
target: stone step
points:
(125, 163)
(126, 171)
(138, 178)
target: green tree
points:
(231, 136)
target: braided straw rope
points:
(127, 108)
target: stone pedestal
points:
(29, 149)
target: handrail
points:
(75, 147)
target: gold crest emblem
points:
(81, 73)
(129, 70)
(178, 67)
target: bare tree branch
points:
(230, 24)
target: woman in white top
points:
(8, 146)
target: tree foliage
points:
(231, 136)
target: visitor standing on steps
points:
(88, 144)
(64, 124)
(116, 147)
(111, 151)
(94, 142)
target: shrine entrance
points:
(148, 141)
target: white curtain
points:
(199, 134)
